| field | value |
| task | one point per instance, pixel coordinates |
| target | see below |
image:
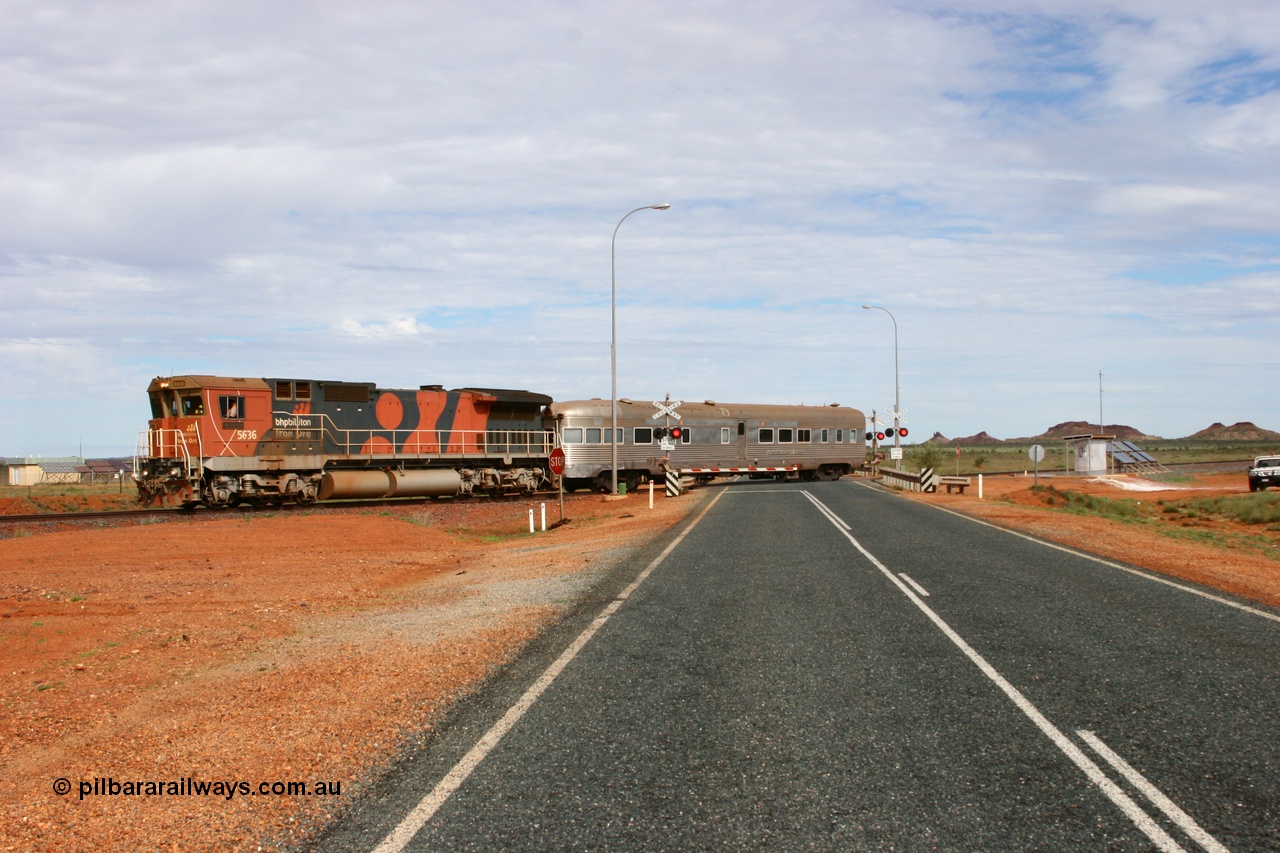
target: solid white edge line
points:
(399, 837)
(906, 577)
(1142, 573)
(1152, 793)
(1114, 792)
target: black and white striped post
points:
(673, 483)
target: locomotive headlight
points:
(173, 472)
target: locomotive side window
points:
(593, 435)
(785, 436)
(643, 435)
(724, 435)
(804, 436)
(284, 389)
(232, 407)
(192, 406)
(766, 436)
(302, 391)
(157, 407)
(572, 435)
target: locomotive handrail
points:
(152, 445)
(375, 443)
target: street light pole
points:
(897, 407)
(613, 341)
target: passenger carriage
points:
(713, 440)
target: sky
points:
(1036, 192)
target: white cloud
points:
(1038, 190)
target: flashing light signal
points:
(659, 432)
(677, 432)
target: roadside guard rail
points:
(913, 481)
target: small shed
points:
(1088, 453)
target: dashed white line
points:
(1114, 792)
(906, 577)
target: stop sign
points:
(557, 461)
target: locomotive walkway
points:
(828, 666)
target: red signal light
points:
(677, 432)
(902, 431)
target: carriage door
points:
(742, 441)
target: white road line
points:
(1114, 792)
(1142, 573)
(906, 577)
(1152, 793)
(399, 838)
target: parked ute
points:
(1265, 472)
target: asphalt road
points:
(827, 666)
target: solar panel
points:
(1123, 458)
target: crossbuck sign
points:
(667, 408)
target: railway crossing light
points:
(677, 432)
(659, 432)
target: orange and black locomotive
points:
(221, 441)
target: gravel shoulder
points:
(264, 649)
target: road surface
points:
(827, 666)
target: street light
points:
(613, 340)
(897, 408)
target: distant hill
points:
(1066, 428)
(1243, 431)
(980, 438)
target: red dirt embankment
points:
(261, 649)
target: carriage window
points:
(826, 436)
(839, 436)
(608, 434)
(804, 435)
(643, 435)
(785, 436)
(593, 435)
(192, 406)
(742, 428)
(572, 435)
(724, 435)
(232, 408)
(686, 435)
(766, 436)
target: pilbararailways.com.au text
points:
(188, 787)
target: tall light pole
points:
(613, 341)
(897, 408)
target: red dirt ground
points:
(308, 647)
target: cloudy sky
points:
(426, 192)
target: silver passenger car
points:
(715, 440)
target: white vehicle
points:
(1265, 472)
(707, 441)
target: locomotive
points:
(222, 441)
